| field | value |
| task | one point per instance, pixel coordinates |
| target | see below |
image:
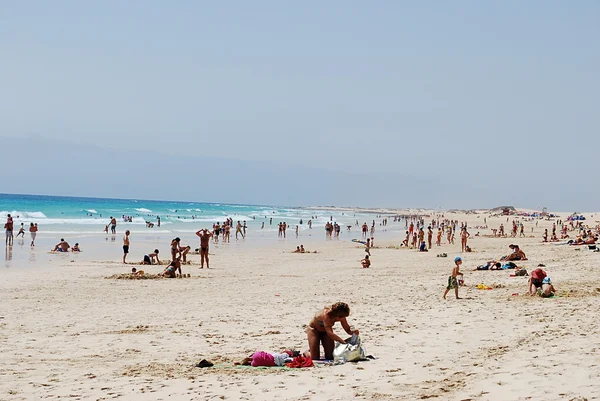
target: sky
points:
(385, 103)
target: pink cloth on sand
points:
(262, 358)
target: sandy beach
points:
(68, 332)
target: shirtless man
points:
(62, 246)
(125, 246)
(238, 230)
(365, 228)
(204, 235)
(113, 225)
(517, 254)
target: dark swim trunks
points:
(452, 283)
(125, 249)
(203, 249)
(147, 260)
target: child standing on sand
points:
(452, 280)
(125, 246)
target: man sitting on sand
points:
(517, 254)
(62, 246)
(171, 270)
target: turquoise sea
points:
(90, 215)
(83, 220)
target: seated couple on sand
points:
(63, 246)
(517, 254)
(581, 241)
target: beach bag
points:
(352, 351)
(521, 272)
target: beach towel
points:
(300, 362)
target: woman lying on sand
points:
(320, 329)
(262, 358)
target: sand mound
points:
(129, 276)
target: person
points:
(423, 247)
(113, 225)
(151, 258)
(490, 265)
(262, 358)
(171, 270)
(545, 236)
(238, 230)
(320, 329)
(297, 250)
(125, 246)
(406, 239)
(62, 246)
(548, 289)
(536, 280)
(9, 230)
(452, 279)
(517, 254)
(368, 247)
(158, 220)
(302, 250)
(21, 231)
(33, 232)
(76, 248)
(175, 248)
(136, 272)
(464, 236)
(366, 263)
(183, 251)
(204, 235)
(429, 236)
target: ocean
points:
(74, 215)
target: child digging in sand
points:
(366, 263)
(452, 280)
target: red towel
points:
(300, 362)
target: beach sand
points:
(67, 332)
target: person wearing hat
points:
(452, 279)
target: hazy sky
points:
(464, 97)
